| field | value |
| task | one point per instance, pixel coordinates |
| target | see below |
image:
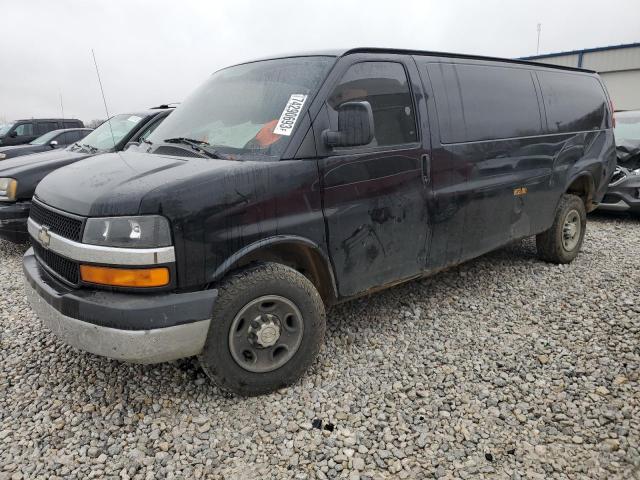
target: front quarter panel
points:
(214, 218)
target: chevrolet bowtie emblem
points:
(43, 237)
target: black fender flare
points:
(228, 264)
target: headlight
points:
(3, 156)
(149, 231)
(8, 188)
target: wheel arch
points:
(583, 186)
(296, 252)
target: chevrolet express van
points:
(286, 185)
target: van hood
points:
(16, 148)
(29, 170)
(115, 184)
(53, 159)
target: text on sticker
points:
(290, 114)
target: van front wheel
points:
(562, 242)
(267, 328)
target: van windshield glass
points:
(627, 127)
(248, 110)
(101, 139)
(5, 127)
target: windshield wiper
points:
(91, 148)
(198, 145)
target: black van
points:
(24, 131)
(20, 176)
(286, 185)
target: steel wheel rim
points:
(266, 333)
(571, 230)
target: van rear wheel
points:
(562, 242)
(267, 328)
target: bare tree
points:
(95, 123)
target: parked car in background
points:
(25, 131)
(20, 176)
(48, 141)
(284, 185)
(623, 194)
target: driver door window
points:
(25, 130)
(385, 86)
(147, 131)
(45, 127)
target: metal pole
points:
(538, 47)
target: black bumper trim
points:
(13, 221)
(124, 311)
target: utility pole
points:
(62, 106)
(538, 47)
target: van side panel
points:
(577, 107)
(507, 150)
(490, 127)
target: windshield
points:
(4, 128)
(46, 138)
(247, 109)
(121, 125)
(627, 126)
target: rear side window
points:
(573, 102)
(478, 102)
(385, 86)
(45, 127)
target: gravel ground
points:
(505, 367)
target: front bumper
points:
(623, 195)
(13, 221)
(133, 327)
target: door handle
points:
(426, 167)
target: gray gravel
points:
(504, 367)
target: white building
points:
(618, 65)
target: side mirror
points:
(53, 143)
(131, 144)
(14, 134)
(355, 126)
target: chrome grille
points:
(65, 225)
(64, 268)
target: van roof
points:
(47, 120)
(342, 52)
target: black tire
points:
(244, 288)
(552, 244)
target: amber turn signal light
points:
(125, 277)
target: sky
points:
(151, 52)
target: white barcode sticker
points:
(290, 114)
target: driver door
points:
(374, 196)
